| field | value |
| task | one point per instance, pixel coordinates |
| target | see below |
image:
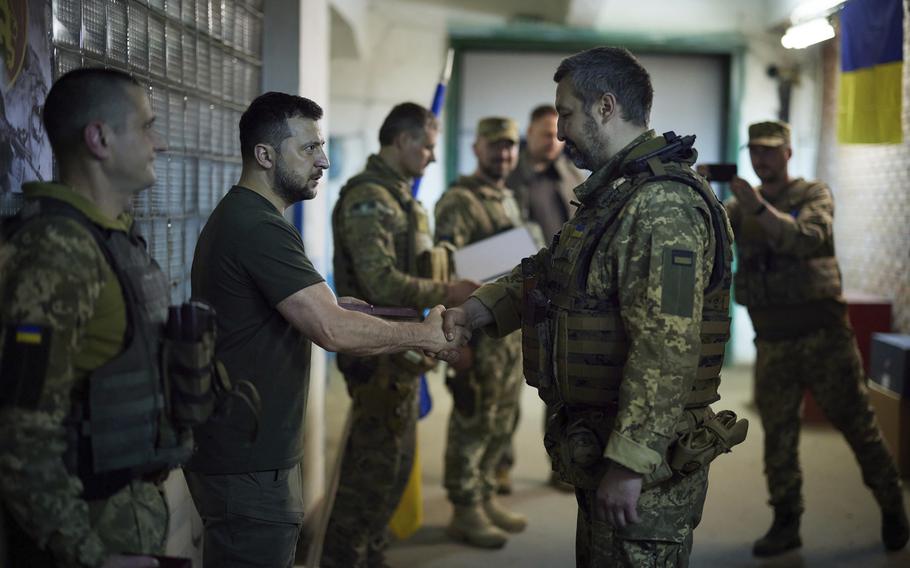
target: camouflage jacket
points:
(470, 211)
(797, 267)
(627, 268)
(376, 246)
(53, 274)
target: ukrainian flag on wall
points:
(872, 53)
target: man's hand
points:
(119, 561)
(458, 292)
(617, 496)
(439, 344)
(470, 315)
(749, 198)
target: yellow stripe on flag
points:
(869, 107)
(28, 337)
(409, 515)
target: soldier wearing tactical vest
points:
(624, 321)
(789, 279)
(82, 307)
(384, 254)
(486, 383)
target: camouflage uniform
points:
(486, 396)
(381, 233)
(53, 274)
(644, 376)
(804, 340)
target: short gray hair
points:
(610, 70)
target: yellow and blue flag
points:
(872, 40)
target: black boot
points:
(895, 529)
(781, 537)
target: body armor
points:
(575, 345)
(120, 427)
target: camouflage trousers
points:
(828, 364)
(483, 420)
(669, 513)
(135, 520)
(377, 462)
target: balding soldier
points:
(486, 387)
(789, 279)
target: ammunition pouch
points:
(437, 263)
(696, 447)
(576, 445)
(189, 379)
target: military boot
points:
(470, 524)
(781, 537)
(506, 520)
(503, 480)
(895, 529)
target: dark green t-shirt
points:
(248, 259)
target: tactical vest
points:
(410, 251)
(574, 345)
(119, 427)
(766, 277)
(498, 215)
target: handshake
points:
(449, 329)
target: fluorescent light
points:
(810, 9)
(803, 35)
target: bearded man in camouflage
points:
(486, 384)
(624, 320)
(789, 279)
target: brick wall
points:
(871, 185)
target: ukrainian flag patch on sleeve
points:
(29, 334)
(23, 364)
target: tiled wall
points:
(871, 185)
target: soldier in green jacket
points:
(74, 277)
(384, 254)
(789, 279)
(624, 320)
(486, 385)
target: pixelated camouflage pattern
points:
(53, 274)
(800, 265)
(486, 396)
(377, 462)
(669, 515)
(374, 256)
(627, 269)
(828, 364)
(376, 249)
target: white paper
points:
(496, 256)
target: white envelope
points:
(496, 256)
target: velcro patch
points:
(367, 209)
(678, 286)
(23, 365)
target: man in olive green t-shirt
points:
(251, 266)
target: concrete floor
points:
(840, 527)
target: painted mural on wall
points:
(25, 76)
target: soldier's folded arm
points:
(35, 484)
(373, 253)
(811, 227)
(661, 279)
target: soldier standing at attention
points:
(485, 385)
(789, 279)
(74, 278)
(384, 254)
(251, 266)
(624, 320)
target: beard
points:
(591, 154)
(495, 172)
(291, 187)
